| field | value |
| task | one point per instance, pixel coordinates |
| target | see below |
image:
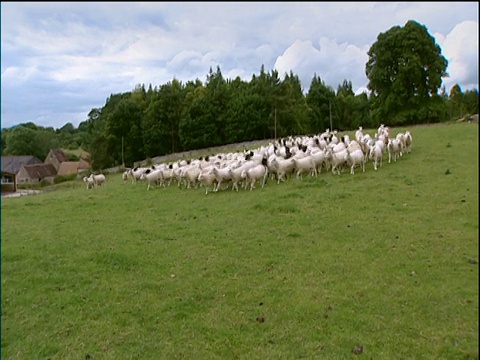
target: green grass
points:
(312, 268)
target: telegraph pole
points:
(123, 161)
(275, 124)
(330, 107)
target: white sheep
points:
(167, 175)
(208, 179)
(393, 148)
(99, 180)
(305, 165)
(236, 173)
(336, 159)
(89, 181)
(408, 141)
(359, 134)
(257, 173)
(191, 176)
(376, 154)
(221, 175)
(152, 177)
(283, 167)
(135, 173)
(318, 157)
(355, 158)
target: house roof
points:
(40, 171)
(82, 165)
(85, 155)
(13, 163)
(68, 167)
(59, 154)
(72, 167)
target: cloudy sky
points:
(60, 60)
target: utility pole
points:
(330, 106)
(275, 124)
(123, 161)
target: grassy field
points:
(377, 265)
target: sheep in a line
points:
(288, 156)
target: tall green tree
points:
(24, 140)
(471, 101)
(155, 128)
(4, 140)
(457, 101)
(125, 122)
(345, 105)
(218, 96)
(319, 99)
(405, 70)
(293, 108)
(265, 97)
(197, 127)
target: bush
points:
(45, 182)
(72, 157)
(62, 178)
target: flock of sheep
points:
(288, 157)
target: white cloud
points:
(60, 60)
(460, 48)
(332, 62)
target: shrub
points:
(62, 178)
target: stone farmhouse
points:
(30, 170)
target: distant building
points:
(56, 157)
(9, 182)
(73, 167)
(13, 163)
(33, 174)
(30, 170)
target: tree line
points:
(405, 71)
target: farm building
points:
(29, 169)
(73, 167)
(13, 163)
(9, 182)
(33, 174)
(56, 157)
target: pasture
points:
(377, 265)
